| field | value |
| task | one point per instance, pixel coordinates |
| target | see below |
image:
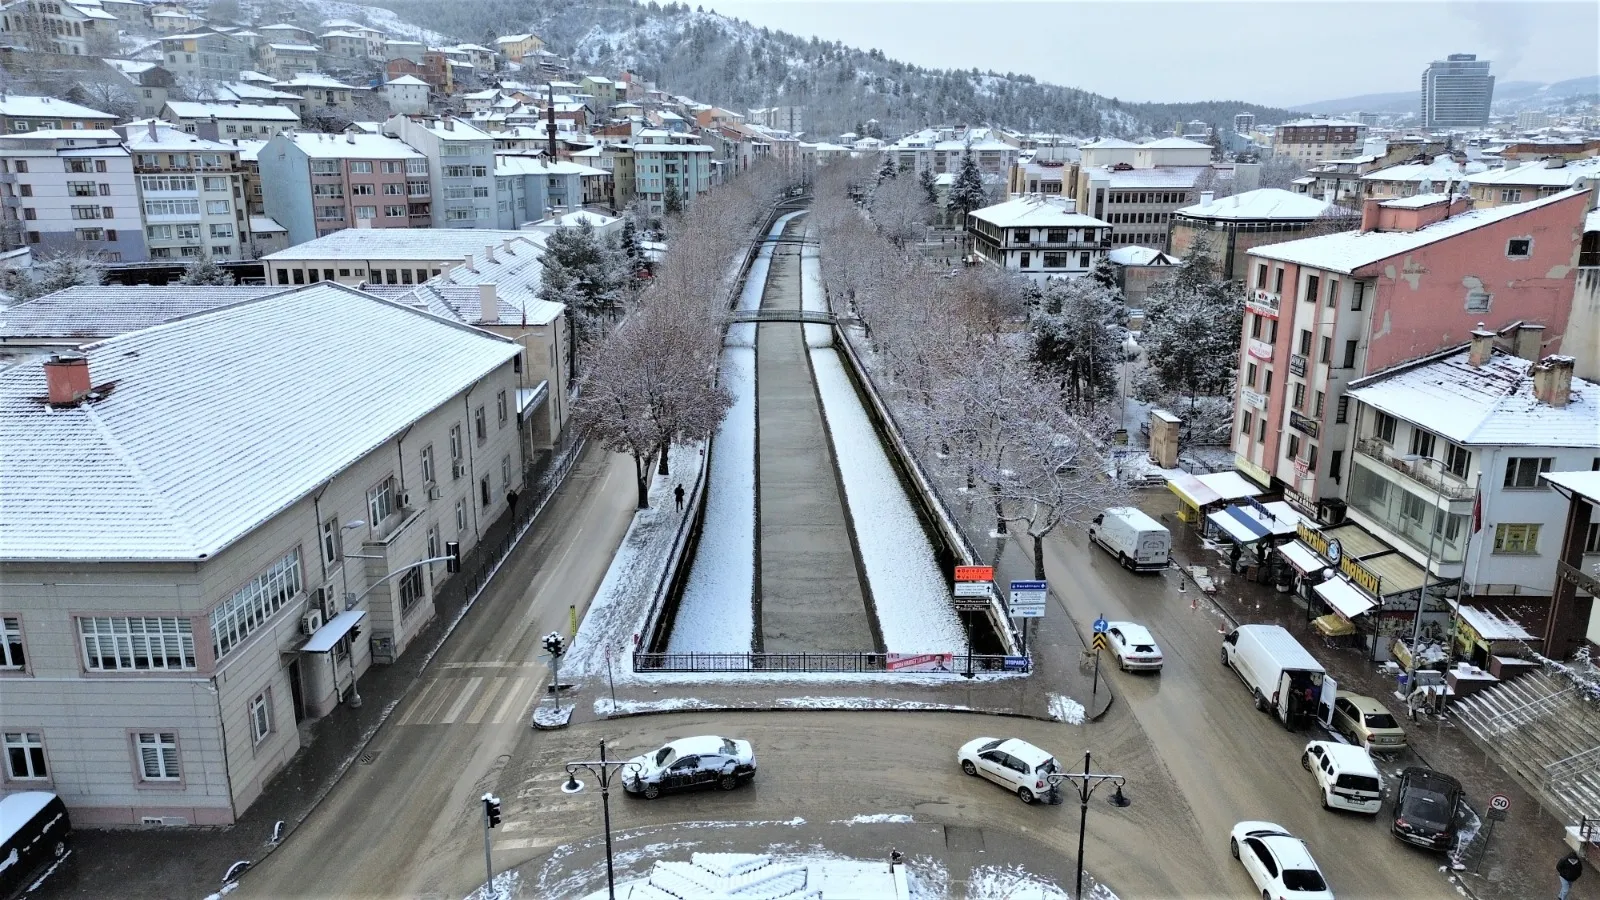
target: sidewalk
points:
(1521, 857)
(191, 862)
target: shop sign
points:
(1251, 398)
(1303, 424)
(1264, 303)
(1361, 576)
(1313, 539)
(1297, 364)
(1260, 349)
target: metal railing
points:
(782, 315)
(1415, 469)
(1577, 764)
(864, 661)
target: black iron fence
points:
(859, 661)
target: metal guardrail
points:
(781, 315)
(843, 661)
(1576, 764)
(1417, 469)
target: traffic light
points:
(555, 644)
(491, 809)
(452, 549)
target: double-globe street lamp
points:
(1086, 782)
(604, 771)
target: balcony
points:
(1264, 303)
(1418, 470)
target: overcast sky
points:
(1281, 52)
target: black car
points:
(1425, 808)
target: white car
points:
(1278, 862)
(1015, 765)
(1134, 646)
(689, 764)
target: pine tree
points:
(888, 169)
(929, 186)
(58, 273)
(672, 201)
(1191, 331)
(968, 193)
(584, 274)
(1077, 328)
(204, 270)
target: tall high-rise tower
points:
(1456, 92)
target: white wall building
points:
(175, 548)
(1038, 236)
(191, 193)
(68, 191)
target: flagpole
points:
(1477, 526)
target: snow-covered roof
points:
(1418, 201)
(170, 137)
(1540, 174)
(1591, 222)
(580, 217)
(1491, 404)
(184, 453)
(1156, 177)
(190, 109)
(1174, 143)
(514, 164)
(1110, 144)
(1584, 484)
(265, 225)
(239, 90)
(46, 107)
(352, 145)
(1442, 169)
(1141, 256)
(57, 134)
(1265, 203)
(1347, 251)
(408, 80)
(399, 243)
(1312, 123)
(83, 314)
(1490, 625)
(314, 79)
(1035, 211)
(463, 130)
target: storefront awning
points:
(1201, 491)
(1491, 626)
(328, 635)
(530, 397)
(1345, 599)
(1303, 558)
(1252, 521)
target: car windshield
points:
(665, 755)
(1426, 807)
(1381, 720)
(1303, 880)
(990, 746)
(729, 748)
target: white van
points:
(1346, 776)
(1284, 678)
(1137, 541)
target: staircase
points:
(1539, 728)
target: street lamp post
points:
(347, 601)
(1086, 782)
(604, 771)
(1434, 528)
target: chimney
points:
(1369, 214)
(153, 135)
(1529, 340)
(1552, 380)
(506, 246)
(489, 304)
(488, 253)
(1206, 197)
(1482, 346)
(349, 137)
(1556, 162)
(67, 379)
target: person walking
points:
(677, 494)
(1569, 869)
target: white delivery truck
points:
(1285, 679)
(1137, 541)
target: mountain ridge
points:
(1509, 96)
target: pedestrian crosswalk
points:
(470, 700)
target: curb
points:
(754, 708)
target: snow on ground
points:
(915, 613)
(622, 604)
(504, 887)
(1065, 709)
(715, 613)
(812, 295)
(879, 818)
(864, 703)
(603, 706)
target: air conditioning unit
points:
(310, 622)
(405, 499)
(434, 493)
(458, 469)
(328, 601)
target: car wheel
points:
(1122, 560)
(1225, 657)
(968, 767)
(1305, 761)
(1025, 794)
(652, 791)
(1266, 896)
(1261, 702)
(60, 849)
(1233, 847)
(727, 782)
(1325, 804)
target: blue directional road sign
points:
(1027, 599)
(1101, 626)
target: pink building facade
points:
(316, 184)
(1418, 277)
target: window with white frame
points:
(25, 756)
(505, 471)
(136, 643)
(11, 653)
(461, 516)
(427, 464)
(1516, 538)
(411, 589)
(260, 716)
(330, 540)
(480, 425)
(380, 501)
(158, 755)
(500, 407)
(252, 605)
(1522, 472)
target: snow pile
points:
(915, 614)
(1065, 709)
(504, 887)
(604, 706)
(1015, 883)
(868, 702)
(879, 818)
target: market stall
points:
(1485, 633)
(1199, 495)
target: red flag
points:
(1477, 512)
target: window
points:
(81, 189)
(1511, 195)
(252, 605)
(166, 183)
(427, 464)
(361, 190)
(158, 755)
(1026, 259)
(381, 501)
(1523, 471)
(330, 540)
(261, 716)
(461, 516)
(455, 443)
(1255, 326)
(1519, 248)
(480, 425)
(1250, 375)
(138, 643)
(1422, 443)
(1457, 460)
(172, 207)
(366, 212)
(1335, 463)
(1591, 540)
(1313, 285)
(218, 207)
(11, 653)
(1349, 354)
(89, 234)
(86, 212)
(1320, 400)
(1311, 457)
(500, 407)
(1326, 354)
(335, 191)
(1299, 395)
(25, 756)
(1261, 430)
(434, 548)
(1244, 427)
(484, 495)
(1333, 293)
(222, 231)
(391, 167)
(1266, 382)
(416, 167)
(481, 192)
(324, 167)
(1305, 342)
(505, 471)
(361, 167)
(215, 183)
(1383, 428)
(1519, 538)
(1294, 447)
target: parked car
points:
(689, 764)
(1346, 776)
(1137, 541)
(1134, 646)
(35, 833)
(1367, 723)
(1278, 862)
(1425, 807)
(1284, 679)
(1014, 764)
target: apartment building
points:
(1315, 140)
(941, 150)
(1442, 174)
(460, 167)
(365, 256)
(24, 112)
(347, 47)
(1233, 225)
(602, 89)
(233, 120)
(319, 91)
(617, 160)
(1457, 92)
(1038, 237)
(70, 191)
(149, 81)
(202, 605)
(206, 55)
(1530, 181)
(662, 159)
(324, 182)
(191, 193)
(59, 26)
(516, 46)
(284, 61)
(1414, 279)
(406, 95)
(1137, 187)
(284, 33)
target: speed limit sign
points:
(1500, 802)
